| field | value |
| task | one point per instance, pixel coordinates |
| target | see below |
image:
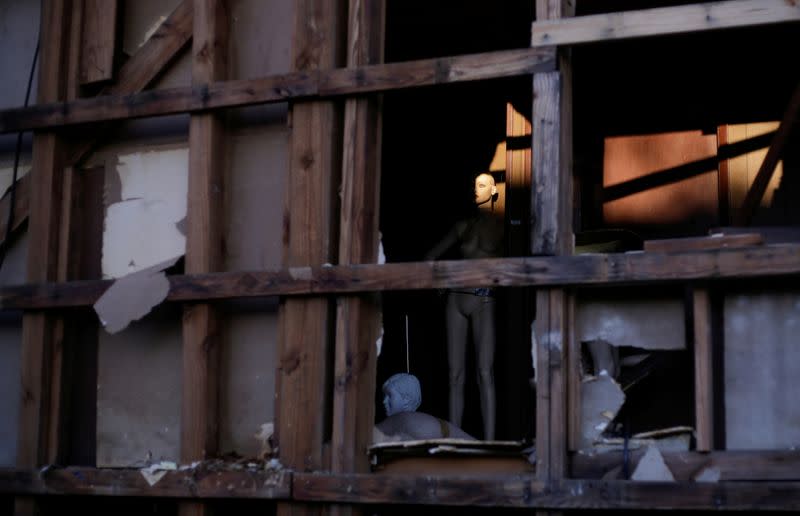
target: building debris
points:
(601, 399)
(652, 468)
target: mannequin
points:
(478, 237)
(402, 397)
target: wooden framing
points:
(329, 144)
(98, 41)
(663, 21)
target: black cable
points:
(12, 192)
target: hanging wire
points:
(408, 360)
(12, 192)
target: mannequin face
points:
(484, 188)
(393, 400)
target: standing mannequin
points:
(478, 237)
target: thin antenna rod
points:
(408, 361)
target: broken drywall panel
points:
(601, 399)
(650, 323)
(762, 364)
(141, 19)
(260, 38)
(138, 391)
(140, 224)
(133, 296)
(652, 468)
(255, 187)
(710, 474)
(247, 396)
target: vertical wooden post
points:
(552, 204)
(357, 317)
(38, 441)
(303, 404)
(703, 370)
(199, 407)
(99, 40)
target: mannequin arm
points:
(445, 243)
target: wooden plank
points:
(299, 85)
(99, 41)
(37, 425)
(526, 491)
(543, 271)
(204, 243)
(358, 318)
(767, 168)
(663, 21)
(703, 370)
(762, 465)
(206, 481)
(697, 243)
(142, 69)
(303, 379)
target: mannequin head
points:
(485, 189)
(401, 393)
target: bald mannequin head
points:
(402, 393)
(485, 188)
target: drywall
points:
(762, 365)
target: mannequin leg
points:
(456, 350)
(483, 331)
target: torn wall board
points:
(133, 296)
(652, 468)
(654, 323)
(145, 204)
(601, 399)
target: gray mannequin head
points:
(402, 393)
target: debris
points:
(710, 474)
(652, 468)
(155, 472)
(264, 436)
(601, 399)
(133, 296)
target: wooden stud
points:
(201, 338)
(303, 402)
(358, 318)
(703, 371)
(99, 41)
(300, 85)
(663, 21)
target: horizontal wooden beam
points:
(762, 465)
(663, 21)
(526, 491)
(201, 482)
(280, 88)
(543, 271)
(221, 481)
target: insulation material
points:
(601, 399)
(652, 468)
(762, 365)
(145, 203)
(641, 323)
(133, 296)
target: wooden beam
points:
(99, 41)
(299, 85)
(206, 481)
(663, 21)
(543, 271)
(38, 441)
(358, 317)
(756, 192)
(142, 69)
(204, 244)
(528, 492)
(703, 370)
(305, 345)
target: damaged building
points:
(228, 226)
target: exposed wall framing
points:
(328, 314)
